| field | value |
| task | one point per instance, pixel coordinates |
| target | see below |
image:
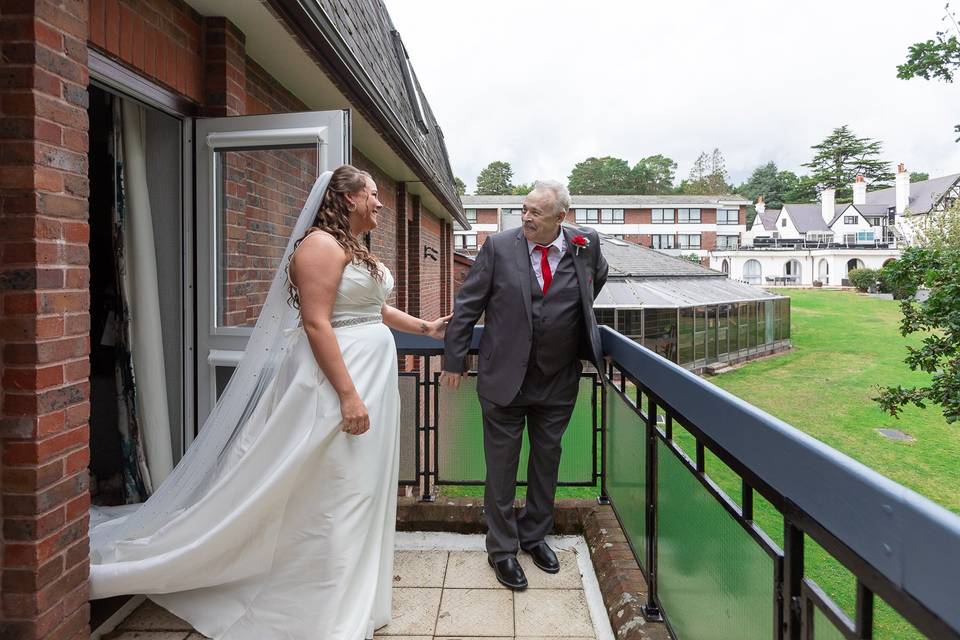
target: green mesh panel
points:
(714, 581)
(627, 468)
(823, 629)
(460, 437)
(408, 427)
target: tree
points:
(771, 183)
(601, 176)
(495, 179)
(654, 175)
(939, 355)
(461, 187)
(937, 58)
(522, 189)
(707, 176)
(919, 176)
(804, 190)
(842, 156)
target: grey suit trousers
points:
(545, 404)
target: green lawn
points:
(845, 345)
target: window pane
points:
(700, 334)
(686, 336)
(660, 332)
(259, 197)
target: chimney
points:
(760, 206)
(902, 189)
(828, 198)
(860, 190)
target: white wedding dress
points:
(292, 537)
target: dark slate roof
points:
(809, 217)
(616, 201)
(627, 259)
(923, 194)
(768, 219)
(358, 43)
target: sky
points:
(546, 84)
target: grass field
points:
(845, 345)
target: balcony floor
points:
(444, 590)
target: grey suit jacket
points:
(499, 284)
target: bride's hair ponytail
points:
(333, 216)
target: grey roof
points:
(677, 292)
(361, 34)
(768, 219)
(809, 217)
(923, 194)
(613, 201)
(633, 260)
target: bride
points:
(279, 521)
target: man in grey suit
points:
(537, 285)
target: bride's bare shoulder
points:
(317, 251)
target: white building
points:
(823, 241)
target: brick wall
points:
(637, 216)
(161, 39)
(44, 259)
(44, 323)
(461, 267)
(487, 216)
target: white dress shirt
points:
(554, 254)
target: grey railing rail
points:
(913, 543)
(897, 544)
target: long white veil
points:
(191, 477)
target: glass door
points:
(254, 174)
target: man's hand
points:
(451, 380)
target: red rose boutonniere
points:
(580, 242)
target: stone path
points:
(444, 590)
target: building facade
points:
(154, 157)
(674, 224)
(800, 244)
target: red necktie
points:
(545, 267)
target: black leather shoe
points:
(509, 573)
(544, 557)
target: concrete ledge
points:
(622, 584)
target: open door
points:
(254, 174)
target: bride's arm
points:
(316, 271)
(396, 319)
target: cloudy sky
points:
(545, 84)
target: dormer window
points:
(411, 83)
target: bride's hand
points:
(356, 420)
(438, 327)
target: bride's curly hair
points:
(333, 216)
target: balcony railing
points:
(645, 430)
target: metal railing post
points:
(651, 610)
(604, 497)
(428, 466)
(792, 580)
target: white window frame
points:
(661, 213)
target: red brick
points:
(48, 36)
(34, 528)
(32, 478)
(30, 379)
(79, 506)
(30, 580)
(97, 22)
(78, 414)
(50, 423)
(34, 452)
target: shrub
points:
(889, 284)
(862, 279)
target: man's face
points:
(541, 220)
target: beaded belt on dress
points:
(358, 320)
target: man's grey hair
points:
(561, 195)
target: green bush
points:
(863, 279)
(889, 284)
